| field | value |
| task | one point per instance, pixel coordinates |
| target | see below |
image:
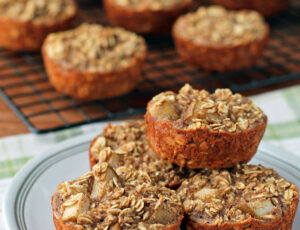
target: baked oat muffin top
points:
(95, 48)
(154, 5)
(192, 109)
(127, 145)
(214, 197)
(37, 11)
(214, 25)
(121, 199)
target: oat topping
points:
(95, 48)
(215, 197)
(222, 111)
(149, 4)
(127, 145)
(125, 199)
(218, 26)
(37, 11)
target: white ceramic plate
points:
(27, 202)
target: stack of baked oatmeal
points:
(184, 166)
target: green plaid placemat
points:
(281, 106)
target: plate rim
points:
(10, 219)
(11, 195)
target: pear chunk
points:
(164, 109)
(111, 175)
(103, 175)
(115, 160)
(97, 191)
(197, 108)
(205, 194)
(261, 208)
(75, 205)
(162, 215)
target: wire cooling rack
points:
(25, 87)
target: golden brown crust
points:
(145, 21)
(59, 224)
(283, 223)
(88, 85)
(219, 58)
(92, 159)
(265, 7)
(202, 148)
(175, 226)
(28, 36)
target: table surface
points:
(10, 124)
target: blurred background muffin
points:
(265, 7)
(94, 62)
(145, 16)
(26, 23)
(214, 38)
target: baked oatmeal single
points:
(248, 197)
(265, 7)
(94, 62)
(127, 145)
(200, 130)
(122, 199)
(26, 23)
(146, 16)
(214, 38)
